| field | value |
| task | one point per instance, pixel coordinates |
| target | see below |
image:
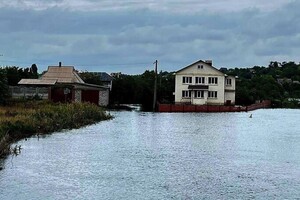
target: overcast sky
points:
(129, 35)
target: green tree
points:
(91, 78)
(166, 87)
(34, 71)
(4, 93)
(139, 89)
(123, 91)
(14, 75)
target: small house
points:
(65, 85)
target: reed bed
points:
(23, 120)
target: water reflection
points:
(141, 155)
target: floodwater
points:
(141, 155)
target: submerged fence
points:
(211, 108)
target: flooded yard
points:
(140, 155)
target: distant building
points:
(202, 84)
(296, 82)
(105, 78)
(116, 74)
(284, 80)
(64, 85)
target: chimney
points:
(59, 64)
(209, 62)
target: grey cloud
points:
(163, 5)
(106, 37)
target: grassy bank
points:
(26, 119)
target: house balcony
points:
(198, 87)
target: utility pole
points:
(155, 86)
(0, 56)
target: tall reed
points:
(26, 119)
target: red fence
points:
(210, 108)
(263, 104)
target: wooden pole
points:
(155, 86)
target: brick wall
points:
(103, 97)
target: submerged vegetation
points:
(26, 119)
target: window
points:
(200, 66)
(199, 80)
(186, 79)
(212, 94)
(213, 80)
(228, 81)
(199, 94)
(186, 94)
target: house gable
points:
(199, 67)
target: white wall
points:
(179, 87)
(230, 96)
(220, 90)
(230, 90)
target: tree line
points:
(139, 89)
(11, 75)
(278, 82)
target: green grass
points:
(26, 119)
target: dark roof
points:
(103, 76)
(198, 87)
(90, 86)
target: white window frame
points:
(213, 80)
(212, 94)
(229, 81)
(200, 80)
(186, 94)
(199, 94)
(186, 79)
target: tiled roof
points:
(63, 74)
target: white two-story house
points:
(202, 84)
